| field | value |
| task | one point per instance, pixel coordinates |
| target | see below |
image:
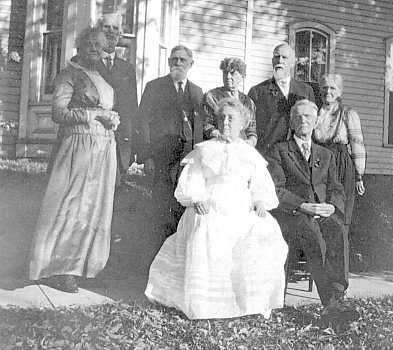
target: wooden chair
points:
(297, 265)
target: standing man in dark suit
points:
(169, 125)
(121, 76)
(274, 98)
(311, 207)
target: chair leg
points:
(286, 269)
(310, 283)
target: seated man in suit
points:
(311, 207)
(274, 98)
(168, 125)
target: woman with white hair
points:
(338, 128)
(227, 257)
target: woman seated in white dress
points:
(227, 257)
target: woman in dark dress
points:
(339, 129)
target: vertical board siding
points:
(214, 29)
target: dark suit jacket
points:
(272, 110)
(160, 120)
(298, 181)
(123, 81)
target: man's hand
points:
(317, 209)
(201, 208)
(215, 133)
(360, 189)
(149, 167)
(260, 209)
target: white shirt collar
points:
(284, 89)
(286, 80)
(299, 142)
(106, 54)
(177, 86)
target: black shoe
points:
(65, 283)
(69, 284)
(339, 314)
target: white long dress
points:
(229, 262)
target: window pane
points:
(51, 60)
(54, 14)
(302, 53)
(108, 6)
(319, 56)
(163, 59)
(390, 130)
(128, 17)
(163, 19)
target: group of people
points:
(238, 180)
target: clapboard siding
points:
(12, 27)
(213, 30)
(360, 56)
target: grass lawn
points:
(132, 326)
(124, 325)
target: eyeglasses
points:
(175, 59)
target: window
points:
(52, 40)
(128, 12)
(388, 112)
(314, 45)
(311, 51)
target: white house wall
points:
(215, 29)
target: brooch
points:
(317, 163)
(274, 91)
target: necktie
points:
(180, 91)
(306, 150)
(186, 132)
(109, 62)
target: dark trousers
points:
(324, 241)
(167, 210)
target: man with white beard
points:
(167, 115)
(274, 98)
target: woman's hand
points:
(260, 209)
(201, 208)
(360, 189)
(109, 119)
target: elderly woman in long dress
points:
(338, 128)
(227, 257)
(72, 235)
(233, 73)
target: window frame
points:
(41, 96)
(320, 28)
(388, 90)
(164, 36)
